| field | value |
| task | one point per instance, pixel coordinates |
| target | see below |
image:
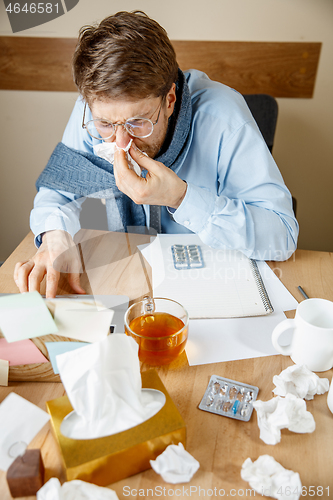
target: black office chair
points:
(264, 109)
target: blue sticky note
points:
(56, 348)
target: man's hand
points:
(160, 187)
(29, 275)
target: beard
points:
(154, 147)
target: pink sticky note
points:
(22, 352)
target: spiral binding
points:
(261, 287)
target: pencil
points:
(302, 292)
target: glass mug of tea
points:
(160, 327)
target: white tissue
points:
(103, 384)
(282, 413)
(74, 490)
(175, 464)
(300, 381)
(269, 478)
(106, 151)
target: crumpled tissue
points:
(107, 150)
(282, 413)
(74, 490)
(175, 464)
(103, 384)
(300, 381)
(269, 478)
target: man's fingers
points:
(52, 279)
(126, 179)
(68, 262)
(144, 161)
(21, 274)
(121, 169)
(74, 281)
(57, 248)
(36, 277)
(16, 270)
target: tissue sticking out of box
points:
(300, 381)
(103, 384)
(106, 150)
(269, 478)
(282, 413)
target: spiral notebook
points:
(229, 284)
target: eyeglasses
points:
(137, 127)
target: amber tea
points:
(161, 337)
(158, 324)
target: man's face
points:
(118, 111)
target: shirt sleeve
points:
(252, 209)
(55, 209)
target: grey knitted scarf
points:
(87, 175)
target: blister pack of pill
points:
(187, 256)
(229, 398)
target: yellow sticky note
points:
(81, 321)
(4, 370)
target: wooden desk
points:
(220, 444)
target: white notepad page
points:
(225, 288)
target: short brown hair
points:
(126, 55)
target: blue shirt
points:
(236, 197)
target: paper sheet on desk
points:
(225, 287)
(281, 298)
(212, 289)
(21, 420)
(218, 340)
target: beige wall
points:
(32, 122)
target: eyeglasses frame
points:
(115, 125)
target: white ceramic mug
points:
(312, 339)
(330, 397)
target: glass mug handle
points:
(282, 327)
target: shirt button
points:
(186, 222)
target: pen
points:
(302, 292)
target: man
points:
(202, 157)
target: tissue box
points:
(109, 459)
